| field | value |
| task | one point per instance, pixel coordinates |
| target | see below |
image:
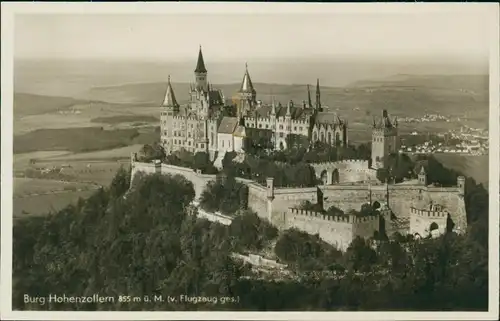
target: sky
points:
(167, 37)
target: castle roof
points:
(228, 125)
(200, 65)
(295, 112)
(246, 84)
(240, 131)
(384, 122)
(169, 100)
(215, 97)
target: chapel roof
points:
(228, 125)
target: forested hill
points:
(143, 243)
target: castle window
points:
(267, 126)
(281, 135)
(281, 127)
(202, 145)
(222, 143)
(300, 128)
(189, 143)
(260, 125)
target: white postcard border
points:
(10, 9)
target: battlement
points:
(184, 118)
(345, 161)
(300, 122)
(331, 218)
(428, 213)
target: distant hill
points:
(403, 95)
(153, 93)
(475, 83)
(29, 104)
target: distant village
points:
(466, 140)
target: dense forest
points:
(144, 241)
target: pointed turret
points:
(422, 176)
(289, 108)
(309, 101)
(169, 100)
(318, 96)
(247, 94)
(200, 73)
(273, 107)
(246, 84)
(200, 65)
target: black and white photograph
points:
(227, 161)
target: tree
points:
(360, 256)
(120, 183)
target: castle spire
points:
(273, 106)
(169, 100)
(318, 96)
(200, 65)
(309, 101)
(246, 84)
(289, 108)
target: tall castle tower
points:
(246, 96)
(200, 73)
(384, 140)
(170, 108)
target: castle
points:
(202, 126)
(411, 207)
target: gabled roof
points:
(228, 125)
(169, 100)
(200, 65)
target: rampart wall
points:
(273, 204)
(348, 171)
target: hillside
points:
(471, 83)
(404, 95)
(29, 104)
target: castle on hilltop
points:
(202, 126)
(411, 207)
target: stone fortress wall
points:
(278, 205)
(345, 171)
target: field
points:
(81, 139)
(108, 117)
(125, 119)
